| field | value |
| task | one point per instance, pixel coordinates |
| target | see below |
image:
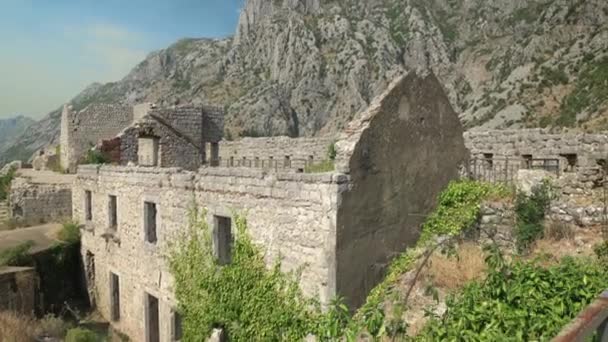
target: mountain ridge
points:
(307, 67)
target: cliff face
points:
(307, 67)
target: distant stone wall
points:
(83, 130)
(247, 151)
(182, 133)
(18, 289)
(289, 215)
(35, 203)
(539, 144)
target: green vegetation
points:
(249, 301)
(82, 335)
(590, 91)
(70, 233)
(519, 301)
(530, 211)
(5, 184)
(324, 166)
(553, 76)
(16, 256)
(457, 210)
(95, 157)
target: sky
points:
(50, 50)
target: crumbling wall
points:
(289, 215)
(180, 134)
(401, 153)
(35, 203)
(539, 144)
(255, 151)
(82, 130)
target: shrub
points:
(17, 256)
(95, 157)
(522, 301)
(82, 335)
(331, 151)
(5, 184)
(51, 326)
(530, 211)
(69, 233)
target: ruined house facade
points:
(342, 228)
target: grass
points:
(324, 166)
(452, 273)
(15, 328)
(16, 256)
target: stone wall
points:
(34, 202)
(18, 289)
(288, 214)
(181, 132)
(82, 130)
(540, 144)
(255, 151)
(401, 153)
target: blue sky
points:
(51, 49)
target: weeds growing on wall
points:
(5, 184)
(18, 255)
(244, 297)
(530, 211)
(518, 301)
(95, 157)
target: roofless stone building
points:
(343, 227)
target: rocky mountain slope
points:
(12, 128)
(307, 67)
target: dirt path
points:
(43, 237)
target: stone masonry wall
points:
(82, 130)
(36, 203)
(539, 143)
(299, 150)
(290, 214)
(18, 289)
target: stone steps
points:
(4, 212)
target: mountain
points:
(12, 128)
(307, 67)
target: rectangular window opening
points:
(114, 297)
(176, 326)
(112, 213)
(152, 319)
(150, 224)
(223, 239)
(88, 205)
(571, 160)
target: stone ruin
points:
(341, 227)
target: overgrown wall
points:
(401, 153)
(288, 214)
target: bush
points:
(530, 211)
(51, 326)
(522, 301)
(5, 184)
(82, 335)
(95, 157)
(18, 255)
(69, 233)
